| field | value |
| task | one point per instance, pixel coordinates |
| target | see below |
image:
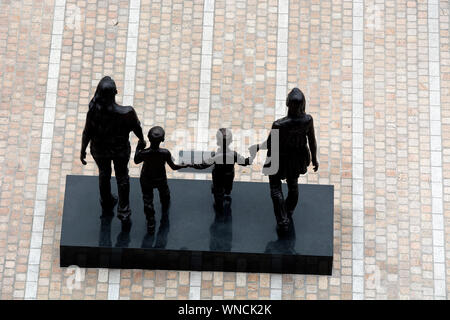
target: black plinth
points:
(243, 239)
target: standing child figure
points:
(153, 173)
(223, 160)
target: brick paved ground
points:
(397, 248)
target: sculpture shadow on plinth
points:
(221, 230)
(161, 236)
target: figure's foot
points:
(123, 213)
(282, 228)
(126, 225)
(151, 225)
(290, 213)
(164, 218)
(108, 206)
(165, 206)
(283, 225)
(218, 208)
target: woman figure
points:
(108, 126)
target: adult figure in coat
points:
(291, 157)
(107, 129)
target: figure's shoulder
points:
(280, 122)
(308, 118)
(93, 107)
(145, 151)
(164, 151)
(277, 123)
(128, 110)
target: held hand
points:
(83, 157)
(253, 150)
(141, 144)
(316, 166)
(185, 165)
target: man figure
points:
(295, 132)
(108, 126)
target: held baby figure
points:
(153, 173)
(223, 161)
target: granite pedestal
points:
(192, 236)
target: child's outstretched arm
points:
(206, 163)
(174, 166)
(201, 166)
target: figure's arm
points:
(201, 166)
(138, 154)
(240, 160)
(313, 146)
(137, 129)
(206, 163)
(174, 166)
(85, 139)
(261, 146)
(256, 147)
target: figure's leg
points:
(276, 194)
(123, 187)
(107, 200)
(149, 210)
(164, 196)
(292, 198)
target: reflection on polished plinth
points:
(191, 236)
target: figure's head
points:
(224, 137)
(156, 135)
(295, 102)
(106, 91)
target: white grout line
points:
(358, 151)
(128, 99)
(204, 102)
(130, 58)
(205, 76)
(113, 284)
(194, 285)
(282, 52)
(40, 204)
(276, 280)
(276, 283)
(440, 289)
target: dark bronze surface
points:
(193, 237)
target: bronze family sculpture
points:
(107, 129)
